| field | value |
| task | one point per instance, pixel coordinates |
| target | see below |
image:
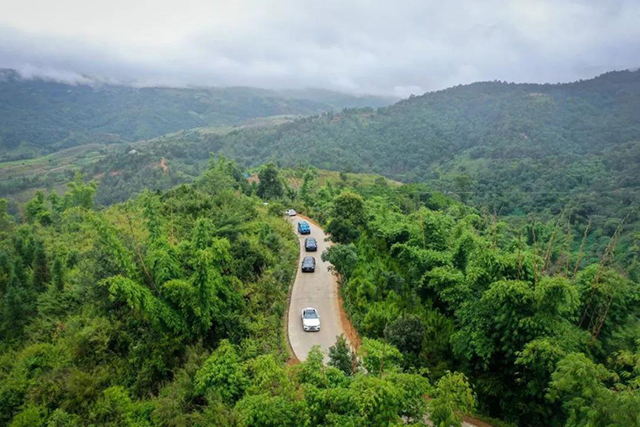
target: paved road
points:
(317, 290)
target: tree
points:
(453, 397)
(378, 357)
(307, 189)
(6, 222)
(222, 373)
(343, 259)
(378, 400)
(463, 185)
(40, 276)
(265, 410)
(79, 193)
(407, 334)
(270, 186)
(341, 356)
(37, 211)
(578, 384)
(347, 218)
(57, 273)
(16, 302)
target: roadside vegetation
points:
(167, 310)
(544, 336)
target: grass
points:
(68, 159)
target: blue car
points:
(304, 228)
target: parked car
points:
(308, 264)
(310, 319)
(291, 212)
(310, 244)
(304, 228)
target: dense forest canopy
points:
(569, 152)
(44, 116)
(168, 310)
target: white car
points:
(291, 212)
(310, 320)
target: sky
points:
(396, 48)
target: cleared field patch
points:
(70, 159)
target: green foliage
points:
(453, 396)
(36, 210)
(40, 268)
(450, 289)
(343, 259)
(406, 333)
(308, 188)
(47, 115)
(270, 185)
(80, 194)
(57, 273)
(168, 309)
(104, 313)
(347, 218)
(222, 373)
(33, 416)
(379, 357)
(341, 356)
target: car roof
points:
(304, 223)
(309, 309)
(308, 258)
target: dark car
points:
(304, 228)
(308, 264)
(310, 244)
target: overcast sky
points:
(394, 47)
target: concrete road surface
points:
(317, 290)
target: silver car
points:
(310, 320)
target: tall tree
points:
(41, 274)
(341, 356)
(270, 185)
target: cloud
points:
(395, 48)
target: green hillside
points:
(569, 151)
(39, 116)
(168, 310)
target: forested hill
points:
(515, 149)
(526, 135)
(39, 116)
(169, 310)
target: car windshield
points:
(307, 260)
(310, 314)
(311, 241)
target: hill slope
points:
(512, 148)
(42, 116)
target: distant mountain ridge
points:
(570, 149)
(40, 116)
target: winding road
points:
(317, 290)
(320, 291)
